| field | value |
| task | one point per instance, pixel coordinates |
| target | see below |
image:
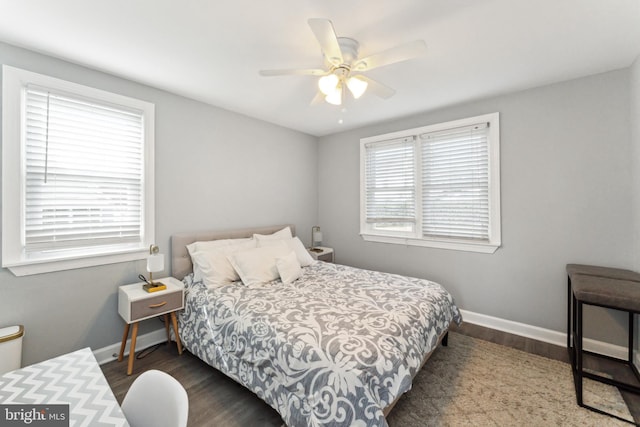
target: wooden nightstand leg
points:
(166, 327)
(124, 342)
(174, 322)
(132, 349)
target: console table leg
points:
(578, 371)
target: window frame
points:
(415, 238)
(14, 82)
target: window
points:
(435, 186)
(77, 180)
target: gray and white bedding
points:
(333, 348)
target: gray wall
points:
(634, 84)
(570, 160)
(214, 169)
(634, 91)
(566, 186)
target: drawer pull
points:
(160, 304)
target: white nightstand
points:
(136, 304)
(321, 253)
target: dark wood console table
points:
(612, 288)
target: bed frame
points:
(181, 265)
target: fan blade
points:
(399, 53)
(326, 35)
(377, 88)
(318, 99)
(295, 72)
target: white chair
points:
(156, 399)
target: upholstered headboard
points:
(181, 261)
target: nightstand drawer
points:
(135, 304)
(326, 257)
(156, 305)
(322, 253)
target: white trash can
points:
(11, 348)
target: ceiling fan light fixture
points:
(335, 98)
(328, 84)
(357, 86)
(341, 56)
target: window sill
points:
(457, 245)
(39, 266)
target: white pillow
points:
(258, 265)
(304, 257)
(205, 245)
(288, 268)
(212, 266)
(285, 233)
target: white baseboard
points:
(541, 334)
(110, 353)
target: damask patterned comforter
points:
(334, 348)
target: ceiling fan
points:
(345, 68)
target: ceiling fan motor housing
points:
(349, 48)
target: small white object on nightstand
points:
(136, 304)
(322, 253)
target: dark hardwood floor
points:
(215, 399)
(514, 341)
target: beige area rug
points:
(477, 383)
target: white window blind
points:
(435, 186)
(455, 183)
(390, 185)
(84, 163)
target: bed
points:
(337, 346)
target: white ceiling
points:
(212, 50)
